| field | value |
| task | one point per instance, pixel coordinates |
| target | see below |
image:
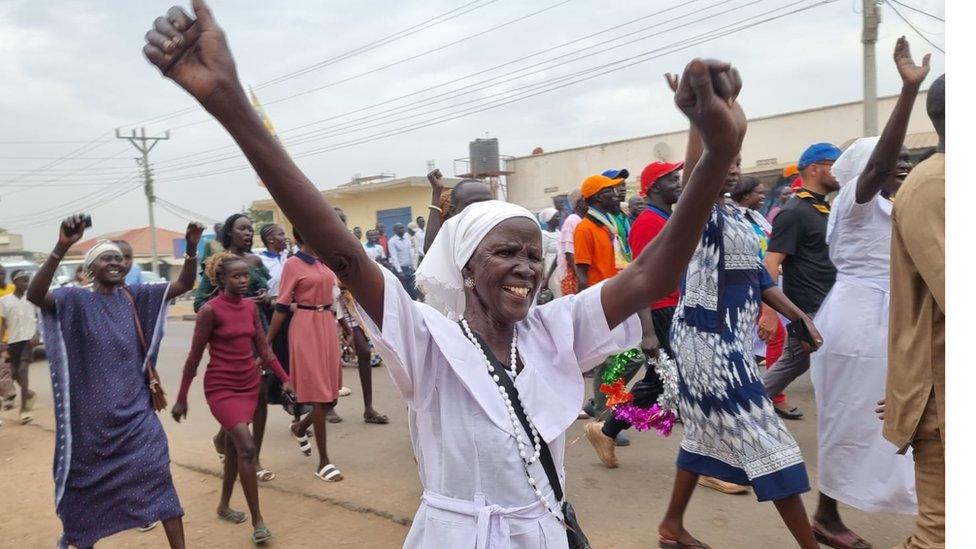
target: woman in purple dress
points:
(111, 459)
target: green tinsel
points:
(619, 363)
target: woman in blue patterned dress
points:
(111, 459)
(731, 430)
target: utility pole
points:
(145, 144)
(869, 37)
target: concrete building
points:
(170, 246)
(368, 200)
(771, 144)
(10, 242)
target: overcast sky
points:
(73, 72)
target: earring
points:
(469, 282)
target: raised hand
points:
(72, 229)
(194, 231)
(192, 53)
(706, 94)
(435, 179)
(911, 74)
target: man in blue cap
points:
(799, 245)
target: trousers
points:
(794, 362)
(929, 454)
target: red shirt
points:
(648, 225)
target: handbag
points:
(574, 534)
(156, 392)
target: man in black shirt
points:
(799, 245)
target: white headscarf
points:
(547, 214)
(439, 275)
(849, 167)
(98, 249)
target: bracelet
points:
(56, 256)
(188, 256)
(435, 208)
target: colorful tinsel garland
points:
(662, 415)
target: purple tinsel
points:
(644, 419)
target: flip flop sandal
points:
(333, 418)
(303, 444)
(675, 544)
(25, 418)
(792, 413)
(260, 535)
(845, 540)
(329, 473)
(379, 419)
(233, 516)
(148, 527)
(264, 475)
(219, 455)
(345, 391)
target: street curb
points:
(188, 317)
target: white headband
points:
(98, 249)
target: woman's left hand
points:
(194, 231)
(814, 333)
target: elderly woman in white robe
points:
(480, 464)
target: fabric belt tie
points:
(493, 527)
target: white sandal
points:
(303, 444)
(265, 475)
(329, 473)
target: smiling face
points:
(108, 269)
(234, 277)
(507, 269)
(902, 169)
(242, 234)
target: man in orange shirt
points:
(600, 254)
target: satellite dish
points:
(662, 151)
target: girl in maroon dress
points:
(230, 324)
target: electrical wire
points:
(88, 207)
(917, 10)
(641, 58)
(909, 23)
(184, 213)
(335, 59)
(83, 203)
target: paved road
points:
(618, 508)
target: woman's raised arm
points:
(70, 232)
(194, 54)
(706, 94)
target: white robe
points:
(857, 466)
(476, 493)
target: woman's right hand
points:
(72, 229)
(706, 93)
(179, 411)
(192, 53)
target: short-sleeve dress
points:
(475, 490)
(313, 340)
(731, 430)
(111, 458)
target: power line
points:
(335, 59)
(602, 32)
(909, 23)
(917, 10)
(634, 60)
(394, 63)
(73, 205)
(102, 201)
(184, 213)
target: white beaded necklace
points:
(516, 424)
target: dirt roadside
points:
(29, 521)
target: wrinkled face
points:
(242, 234)
(126, 256)
(609, 199)
(234, 278)
(735, 172)
(108, 269)
(668, 187)
(357, 232)
(507, 269)
(277, 240)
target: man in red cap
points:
(660, 187)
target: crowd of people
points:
(489, 316)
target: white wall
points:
(772, 142)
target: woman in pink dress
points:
(306, 291)
(229, 323)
